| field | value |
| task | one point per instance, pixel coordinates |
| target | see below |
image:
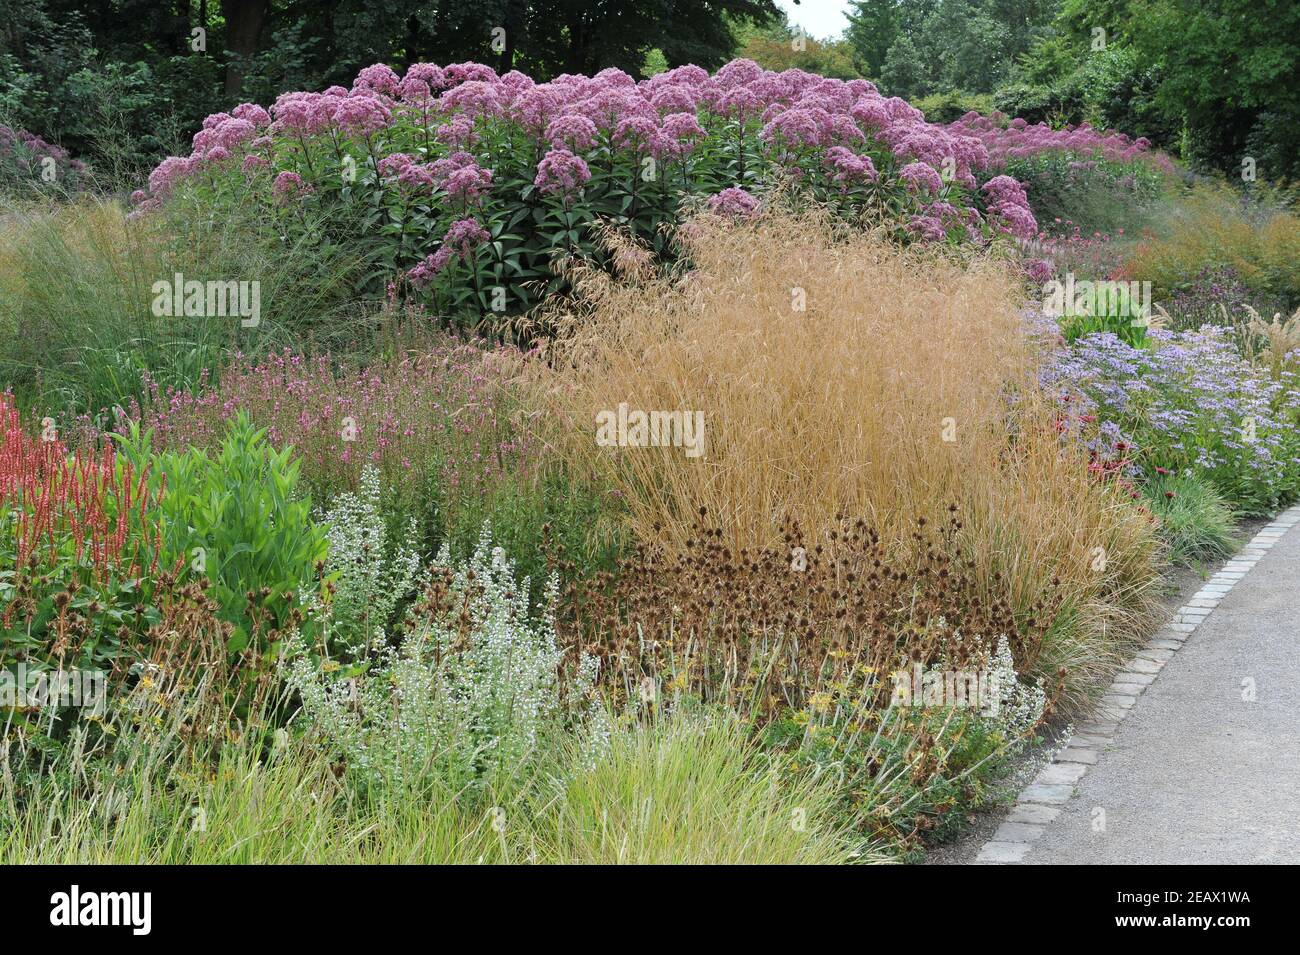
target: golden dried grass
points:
(845, 407)
(1211, 227)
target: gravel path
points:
(1204, 764)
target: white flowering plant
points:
(468, 694)
(370, 574)
(1016, 706)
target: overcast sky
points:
(821, 19)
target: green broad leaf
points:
(238, 640)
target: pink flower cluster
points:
(462, 237)
(921, 177)
(849, 166)
(939, 218)
(27, 156)
(289, 184)
(1017, 139)
(734, 202)
(1008, 202)
(804, 122)
(223, 135)
(444, 416)
(560, 171)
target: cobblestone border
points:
(1041, 801)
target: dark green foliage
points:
(935, 46)
(1215, 80)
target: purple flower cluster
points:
(562, 173)
(734, 202)
(849, 166)
(28, 158)
(223, 135)
(1017, 139)
(289, 184)
(666, 116)
(1038, 271)
(454, 147)
(468, 184)
(572, 132)
(1189, 403)
(937, 220)
(921, 177)
(1008, 203)
(461, 239)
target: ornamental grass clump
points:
(1256, 235)
(79, 312)
(465, 184)
(176, 778)
(836, 374)
(1217, 296)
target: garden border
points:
(1041, 801)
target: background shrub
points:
(949, 106)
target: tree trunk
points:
(244, 21)
(514, 25)
(576, 59)
(413, 44)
